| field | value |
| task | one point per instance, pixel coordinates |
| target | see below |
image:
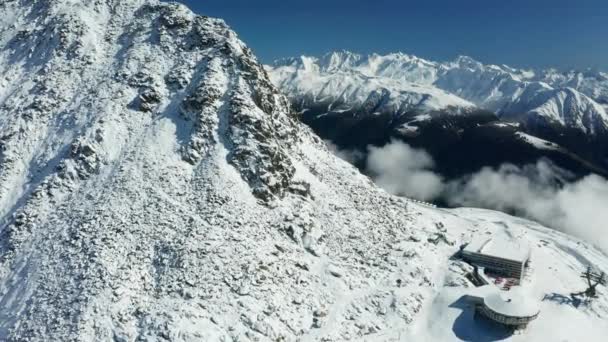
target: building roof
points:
(512, 304)
(500, 247)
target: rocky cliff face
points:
(221, 93)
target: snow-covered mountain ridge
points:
(406, 82)
(155, 186)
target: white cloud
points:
(537, 191)
(404, 171)
(577, 208)
(351, 156)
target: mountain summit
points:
(155, 186)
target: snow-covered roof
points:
(500, 247)
(512, 303)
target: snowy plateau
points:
(155, 186)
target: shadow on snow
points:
(473, 328)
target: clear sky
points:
(522, 33)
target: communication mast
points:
(593, 280)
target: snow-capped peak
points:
(339, 60)
(467, 62)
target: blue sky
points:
(523, 33)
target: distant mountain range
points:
(356, 100)
(400, 83)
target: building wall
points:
(517, 322)
(510, 268)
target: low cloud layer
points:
(404, 171)
(577, 208)
(537, 191)
(351, 156)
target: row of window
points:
(498, 265)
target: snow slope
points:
(411, 83)
(155, 186)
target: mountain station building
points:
(501, 256)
